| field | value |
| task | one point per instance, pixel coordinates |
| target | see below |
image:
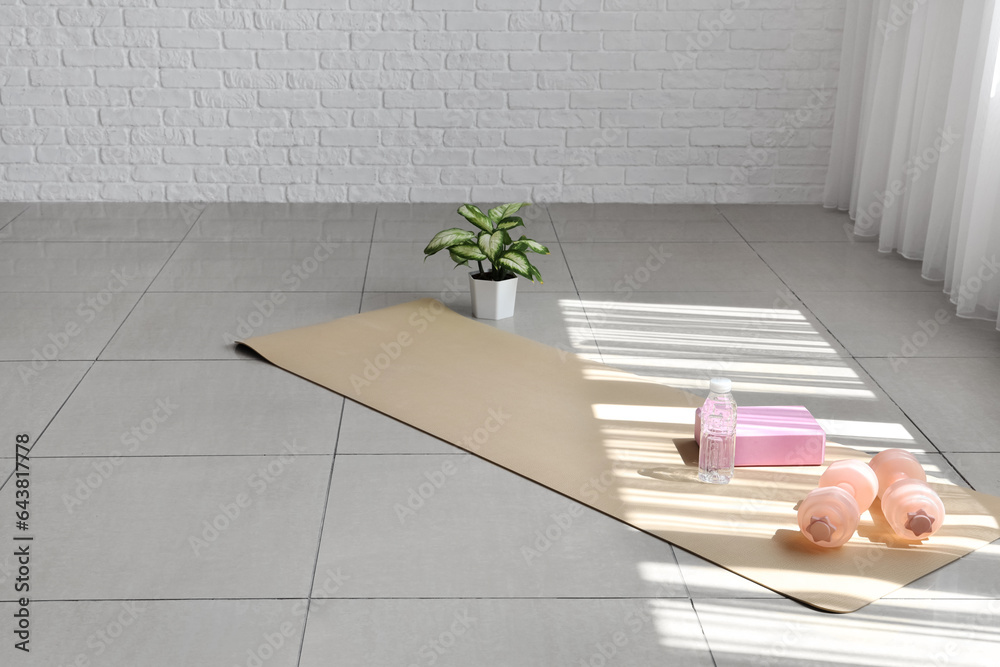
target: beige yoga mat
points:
(616, 442)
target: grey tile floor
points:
(195, 506)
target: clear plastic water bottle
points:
(717, 452)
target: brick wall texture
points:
(417, 100)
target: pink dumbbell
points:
(912, 508)
(829, 515)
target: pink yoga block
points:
(775, 436)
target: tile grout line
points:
(319, 539)
(853, 358)
(86, 241)
(729, 222)
(424, 597)
(93, 361)
(146, 291)
(600, 354)
(368, 262)
(309, 598)
(928, 356)
(704, 634)
(954, 467)
(333, 465)
(937, 450)
(562, 251)
(586, 315)
(175, 456)
(49, 422)
(11, 221)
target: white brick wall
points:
(417, 100)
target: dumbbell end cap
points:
(821, 529)
(919, 522)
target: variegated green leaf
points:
(493, 244)
(534, 272)
(476, 217)
(463, 253)
(448, 238)
(515, 261)
(498, 213)
(524, 244)
(510, 222)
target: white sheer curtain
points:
(916, 144)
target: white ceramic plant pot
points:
(491, 299)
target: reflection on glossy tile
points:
(400, 267)
(504, 632)
(285, 222)
(104, 222)
(80, 267)
(323, 266)
(423, 230)
(293, 212)
(457, 526)
(113, 211)
(885, 633)
(534, 579)
(32, 398)
(146, 632)
(902, 324)
(97, 229)
(9, 211)
(609, 213)
(537, 315)
(42, 327)
(658, 267)
(418, 224)
(444, 212)
(417, 212)
(953, 401)
(168, 528)
(648, 223)
(650, 231)
(784, 223)
(146, 408)
(204, 325)
(842, 267)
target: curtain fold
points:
(915, 158)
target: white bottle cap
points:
(720, 385)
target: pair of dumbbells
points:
(829, 515)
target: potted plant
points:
(493, 291)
